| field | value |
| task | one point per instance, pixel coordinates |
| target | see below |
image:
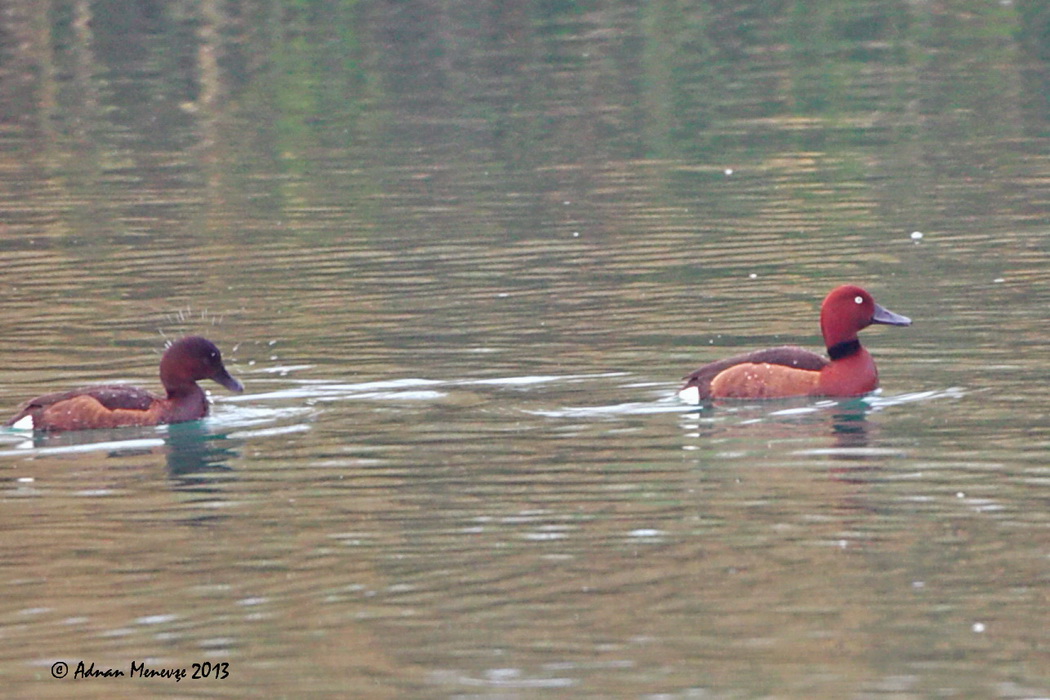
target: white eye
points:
(859, 300)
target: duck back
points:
(111, 396)
(786, 355)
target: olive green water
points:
(460, 255)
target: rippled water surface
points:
(460, 256)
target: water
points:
(460, 257)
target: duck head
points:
(190, 359)
(849, 309)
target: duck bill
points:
(883, 315)
(227, 380)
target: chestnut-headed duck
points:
(114, 406)
(792, 371)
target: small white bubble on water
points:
(978, 627)
(916, 235)
(257, 600)
(156, 619)
(646, 532)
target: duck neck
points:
(851, 374)
(187, 402)
(844, 349)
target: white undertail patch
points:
(24, 423)
(691, 395)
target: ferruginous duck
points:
(792, 371)
(114, 406)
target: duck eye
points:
(859, 300)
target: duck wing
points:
(112, 397)
(787, 355)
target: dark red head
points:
(193, 358)
(849, 309)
